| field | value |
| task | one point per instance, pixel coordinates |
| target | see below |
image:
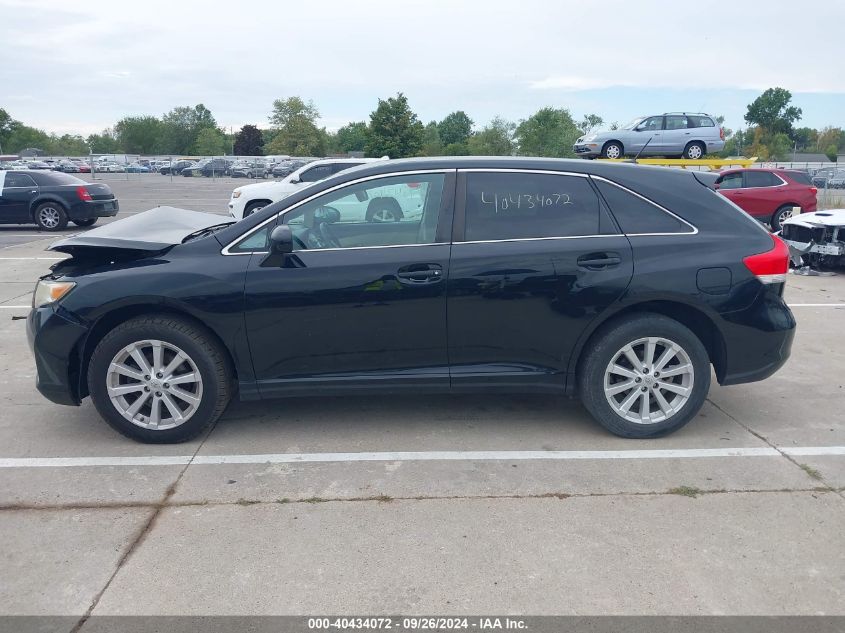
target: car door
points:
(676, 134)
(535, 259)
(647, 134)
(763, 193)
(357, 304)
(730, 185)
(16, 192)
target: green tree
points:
(590, 122)
(494, 139)
(455, 128)
(104, 143)
(249, 141)
(548, 132)
(67, 145)
(395, 130)
(805, 138)
(772, 112)
(180, 128)
(432, 145)
(138, 134)
(24, 136)
(211, 142)
(832, 151)
(352, 137)
(827, 137)
(296, 133)
(7, 126)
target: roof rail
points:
(704, 113)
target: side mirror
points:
(280, 247)
(295, 181)
(281, 240)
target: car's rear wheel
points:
(694, 150)
(50, 216)
(86, 222)
(780, 216)
(612, 149)
(644, 376)
(159, 379)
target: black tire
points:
(612, 149)
(50, 216)
(779, 216)
(210, 359)
(608, 341)
(384, 210)
(694, 150)
(255, 205)
(88, 222)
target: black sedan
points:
(175, 167)
(51, 199)
(623, 284)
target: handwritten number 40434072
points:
(503, 202)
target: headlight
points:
(236, 194)
(47, 292)
(587, 139)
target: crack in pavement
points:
(142, 534)
(683, 491)
(807, 470)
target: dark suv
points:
(620, 283)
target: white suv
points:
(248, 199)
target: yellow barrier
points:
(683, 163)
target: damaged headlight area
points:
(49, 291)
(816, 238)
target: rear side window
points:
(676, 122)
(502, 206)
(761, 179)
(636, 215)
(320, 172)
(18, 180)
(800, 177)
(700, 121)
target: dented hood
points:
(830, 217)
(151, 231)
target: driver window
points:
(390, 211)
(651, 124)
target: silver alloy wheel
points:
(613, 151)
(384, 215)
(49, 217)
(154, 385)
(649, 380)
(694, 152)
(784, 215)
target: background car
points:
(837, 180)
(175, 167)
(768, 194)
(37, 164)
(249, 198)
(286, 167)
(137, 168)
(50, 199)
(248, 169)
(685, 134)
(209, 167)
(67, 167)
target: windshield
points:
(632, 123)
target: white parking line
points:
(817, 305)
(410, 456)
(30, 258)
(15, 307)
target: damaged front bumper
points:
(820, 233)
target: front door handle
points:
(597, 261)
(418, 274)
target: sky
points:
(79, 67)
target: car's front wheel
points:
(612, 150)
(159, 379)
(50, 216)
(644, 376)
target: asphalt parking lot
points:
(413, 505)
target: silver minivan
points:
(685, 134)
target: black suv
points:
(620, 283)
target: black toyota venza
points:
(622, 284)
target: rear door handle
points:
(596, 261)
(418, 274)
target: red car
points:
(768, 194)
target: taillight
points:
(82, 194)
(814, 190)
(770, 267)
(721, 133)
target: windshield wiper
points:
(205, 232)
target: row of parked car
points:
(65, 165)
